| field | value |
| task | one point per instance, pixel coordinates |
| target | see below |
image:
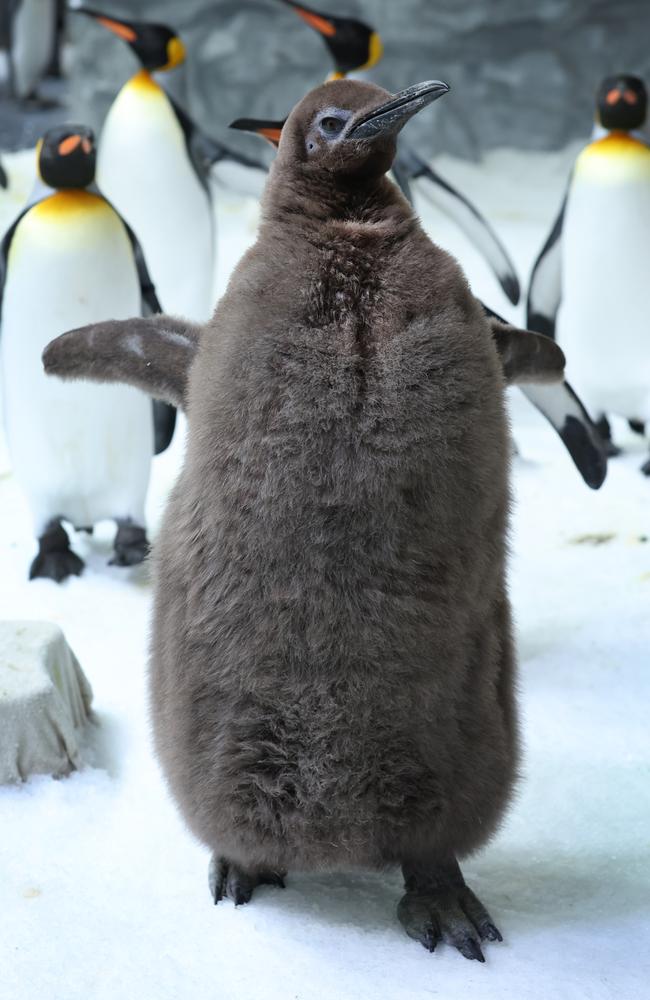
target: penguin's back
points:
(606, 256)
(144, 168)
(332, 564)
(80, 451)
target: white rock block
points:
(44, 702)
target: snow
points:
(104, 893)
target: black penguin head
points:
(156, 46)
(621, 102)
(350, 127)
(66, 156)
(352, 44)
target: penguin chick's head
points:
(66, 157)
(156, 46)
(352, 44)
(350, 127)
(621, 102)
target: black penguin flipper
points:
(545, 286)
(558, 402)
(154, 354)
(564, 410)
(163, 414)
(466, 216)
(204, 151)
(4, 251)
(4, 180)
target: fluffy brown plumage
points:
(332, 661)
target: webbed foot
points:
(55, 560)
(439, 906)
(131, 546)
(228, 879)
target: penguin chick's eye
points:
(331, 125)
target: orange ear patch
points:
(629, 97)
(86, 145)
(316, 21)
(272, 134)
(122, 30)
(69, 144)
(612, 97)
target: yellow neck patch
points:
(66, 203)
(144, 83)
(616, 157)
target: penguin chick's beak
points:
(390, 117)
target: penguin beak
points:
(269, 130)
(119, 28)
(392, 116)
(319, 22)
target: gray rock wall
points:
(522, 72)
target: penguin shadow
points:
(366, 901)
(527, 889)
(522, 892)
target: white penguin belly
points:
(144, 170)
(604, 323)
(79, 450)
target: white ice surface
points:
(103, 893)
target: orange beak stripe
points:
(322, 25)
(272, 134)
(128, 34)
(68, 145)
(613, 97)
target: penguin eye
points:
(331, 125)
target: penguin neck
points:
(298, 200)
(143, 81)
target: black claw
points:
(474, 949)
(492, 933)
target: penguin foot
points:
(131, 546)
(645, 468)
(228, 879)
(439, 906)
(55, 560)
(605, 431)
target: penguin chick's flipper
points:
(55, 560)
(545, 287)
(439, 906)
(130, 546)
(410, 167)
(561, 407)
(153, 354)
(233, 881)
(527, 356)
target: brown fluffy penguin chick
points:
(332, 661)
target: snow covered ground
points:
(103, 893)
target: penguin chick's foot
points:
(438, 906)
(131, 546)
(228, 879)
(55, 559)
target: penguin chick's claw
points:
(55, 559)
(131, 545)
(228, 879)
(443, 908)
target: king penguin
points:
(79, 455)
(596, 260)
(153, 165)
(355, 47)
(332, 669)
(32, 37)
